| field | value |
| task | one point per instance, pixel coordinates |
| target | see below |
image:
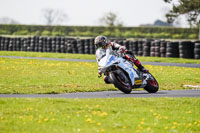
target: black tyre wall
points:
(163, 49)
(172, 49)
(186, 49)
(134, 47)
(146, 48)
(197, 50)
(159, 48)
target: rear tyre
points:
(152, 85)
(120, 84)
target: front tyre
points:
(152, 84)
(120, 84)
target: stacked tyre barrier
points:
(154, 48)
(126, 44)
(197, 50)
(134, 47)
(157, 48)
(147, 48)
(48, 44)
(80, 46)
(163, 45)
(140, 47)
(186, 49)
(172, 49)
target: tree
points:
(54, 17)
(110, 19)
(190, 8)
(6, 20)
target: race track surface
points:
(109, 94)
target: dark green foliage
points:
(92, 31)
(190, 8)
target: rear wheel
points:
(152, 85)
(119, 83)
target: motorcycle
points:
(123, 75)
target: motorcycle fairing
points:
(108, 60)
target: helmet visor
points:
(101, 45)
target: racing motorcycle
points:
(123, 75)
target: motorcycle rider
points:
(102, 43)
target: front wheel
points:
(152, 85)
(120, 83)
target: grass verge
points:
(93, 57)
(50, 55)
(111, 115)
(44, 76)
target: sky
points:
(86, 12)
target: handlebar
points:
(117, 53)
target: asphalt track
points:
(84, 60)
(110, 94)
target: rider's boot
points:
(134, 60)
(140, 66)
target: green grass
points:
(40, 76)
(93, 57)
(169, 60)
(113, 115)
(44, 76)
(146, 115)
(51, 55)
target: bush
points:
(4, 32)
(176, 36)
(46, 33)
(58, 33)
(92, 31)
(36, 33)
(22, 32)
(192, 36)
